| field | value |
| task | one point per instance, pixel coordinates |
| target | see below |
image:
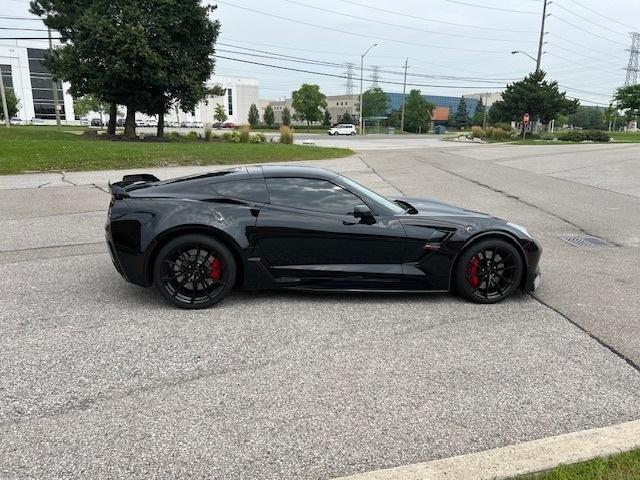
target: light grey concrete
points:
(101, 379)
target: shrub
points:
(547, 136)
(584, 136)
(193, 135)
(227, 136)
(504, 125)
(478, 132)
(175, 135)
(207, 132)
(244, 133)
(258, 138)
(286, 135)
(498, 134)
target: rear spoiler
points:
(118, 188)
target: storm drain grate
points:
(586, 241)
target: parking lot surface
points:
(101, 379)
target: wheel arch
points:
(501, 235)
(165, 237)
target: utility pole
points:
(361, 85)
(5, 110)
(544, 18)
(54, 84)
(404, 98)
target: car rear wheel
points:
(352, 133)
(194, 271)
(489, 271)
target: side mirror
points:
(364, 213)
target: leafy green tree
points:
(478, 117)
(308, 102)
(326, 121)
(534, 95)
(286, 117)
(145, 55)
(587, 117)
(254, 116)
(375, 102)
(12, 104)
(346, 118)
(628, 98)
(219, 115)
(269, 117)
(90, 103)
(462, 114)
(417, 112)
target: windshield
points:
(377, 199)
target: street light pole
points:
(404, 98)
(361, 80)
(524, 53)
(5, 110)
(54, 83)
(544, 17)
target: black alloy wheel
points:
(489, 271)
(194, 271)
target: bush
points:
(193, 135)
(584, 136)
(207, 132)
(547, 136)
(498, 134)
(286, 135)
(244, 133)
(504, 126)
(227, 136)
(478, 132)
(175, 135)
(258, 138)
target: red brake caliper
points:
(216, 269)
(472, 272)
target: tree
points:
(286, 117)
(462, 114)
(591, 118)
(219, 115)
(326, 121)
(269, 117)
(417, 112)
(145, 55)
(90, 103)
(308, 101)
(478, 117)
(628, 98)
(346, 118)
(534, 95)
(12, 104)
(254, 116)
(375, 102)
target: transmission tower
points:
(349, 83)
(375, 76)
(632, 67)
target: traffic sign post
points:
(525, 121)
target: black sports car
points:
(196, 238)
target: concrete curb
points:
(521, 459)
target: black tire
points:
(489, 271)
(352, 133)
(194, 271)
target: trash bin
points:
(440, 129)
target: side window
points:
(312, 194)
(252, 189)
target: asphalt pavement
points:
(102, 379)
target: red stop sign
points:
(525, 119)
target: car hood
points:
(433, 208)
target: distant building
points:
(438, 100)
(24, 73)
(337, 105)
(488, 98)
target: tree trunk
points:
(130, 123)
(160, 132)
(308, 123)
(113, 113)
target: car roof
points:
(297, 171)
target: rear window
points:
(252, 189)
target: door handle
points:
(344, 222)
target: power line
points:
(557, 5)
(581, 45)
(345, 32)
(491, 8)
(414, 17)
(24, 29)
(5, 17)
(585, 31)
(404, 27)
(604, 16)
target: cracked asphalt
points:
(101, 379)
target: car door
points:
(308, 233)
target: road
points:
(101, 379)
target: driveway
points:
(99, 378)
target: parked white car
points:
(343, 129)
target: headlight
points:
(520, 228)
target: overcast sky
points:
(453, 46)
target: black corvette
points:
(196, 238)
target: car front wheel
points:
(489, 271)
(194, 271)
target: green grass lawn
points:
(28, 149)
(629, 137)
(625, 466)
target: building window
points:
(6, 76)
(42, 87)
(230, 100)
